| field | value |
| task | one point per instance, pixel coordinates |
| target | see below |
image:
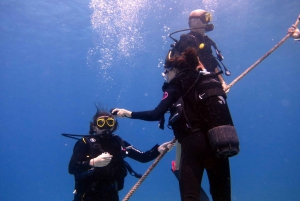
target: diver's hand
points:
(295, 33)
(165, 145)
(224, 86)
(101, 160)
(121, 112)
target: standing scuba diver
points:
(97, 162)
(201, 122)
(199, 23)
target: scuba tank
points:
(214, 111)
(212, 114)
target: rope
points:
(261, 59)
(138, 183)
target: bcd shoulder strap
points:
(126, 164)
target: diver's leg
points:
(218, 172)
(191, 167)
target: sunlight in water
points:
(210, 5)
(116, 25)
(117, 29)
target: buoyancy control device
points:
(219, 57)
(85, 180)
(213, 113)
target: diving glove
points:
(294, 31)
(165, 145)
(121, 112)
(101, 160)
(224, 86)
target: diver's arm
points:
(221, 79)
(147, 156)
(219, 76)
(170, 96)
(78, 162)
(140, 156)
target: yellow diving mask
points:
(204, 17)
(207, 17)
(104, 122)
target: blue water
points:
(58, 58)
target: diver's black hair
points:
(101, 112)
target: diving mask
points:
(205, 18)
(201, 21)
(105, 122)
(164, 76)
(165, 73)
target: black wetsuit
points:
(194, 39)
(103, 183)
(196, 154)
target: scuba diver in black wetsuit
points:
(201, 122)
(199, 24)
(98, 162)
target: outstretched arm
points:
(149, 155)
(169, 97)
(141, 156)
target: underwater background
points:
(59, 58)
